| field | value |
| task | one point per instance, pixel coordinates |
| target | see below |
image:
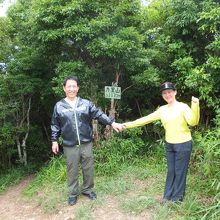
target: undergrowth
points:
(129, 168)
(12, 176)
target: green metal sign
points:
(112, 92)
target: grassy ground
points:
(13, 176)
(136, 191)
(129, 181)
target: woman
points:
(175, 117)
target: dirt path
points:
(13, 206)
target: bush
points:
(206, 159)
(53, 172)
(206, 155)
(13, 176)
(112, 153)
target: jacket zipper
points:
(77, 129)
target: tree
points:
(16, 95)
(178, 49)
(19, 83)
(92, 40)
(119, 43)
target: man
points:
(72, 117)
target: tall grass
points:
(207, 163)
(125, 149)
(12, 176)
(126, 164)
(52, 174)
(49, 186)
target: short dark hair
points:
(71, 78)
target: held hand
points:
(124, 126)
(55, 148)
(117, 127)
(195, 100)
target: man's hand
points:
(195, 100)
(117, 127)
(55, 147)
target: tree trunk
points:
(112, 112)
(112, 115)
(22, 151)
(27, 133)
(19, 149)
(96, 135)
(139, 110)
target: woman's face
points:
(169, 95)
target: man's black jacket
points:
(75, 125)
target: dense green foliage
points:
(206, 163)
(110, 154)
(122, 43)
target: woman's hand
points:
(117, 127)
(195, 100)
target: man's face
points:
(71, 89)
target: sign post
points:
(112, 92)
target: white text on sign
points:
(112, 92)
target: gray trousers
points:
(178, 156)
(79, 155)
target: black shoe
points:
(91, 195)
(164, 201)
(177, 200)
(72, 200)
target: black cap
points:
(167, 85)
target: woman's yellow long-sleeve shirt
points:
(175, 120)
